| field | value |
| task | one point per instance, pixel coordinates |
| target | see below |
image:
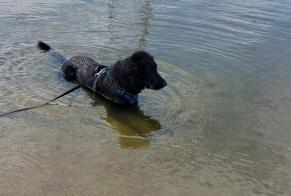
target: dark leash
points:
(65, 93)
(38, 106)
(46, 103)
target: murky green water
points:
(220, 127)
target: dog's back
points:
(80, 68)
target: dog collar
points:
(126, 95)
(121, 95)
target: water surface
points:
(220, 127)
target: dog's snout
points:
(165, 83)
(157, 83)
(162, 84)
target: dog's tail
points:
(58, 57)
(43, 46)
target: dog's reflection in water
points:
(133, 126)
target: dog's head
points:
(147, 72)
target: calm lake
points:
(222, 126)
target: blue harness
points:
(121, 95)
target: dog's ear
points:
(139, 57)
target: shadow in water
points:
(133, 125)
(144, 21)
(112, 15)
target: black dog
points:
(120, 82)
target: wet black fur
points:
(137, 72)
(134, 73)
(43, 46)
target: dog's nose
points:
(164, 83)
(160, 85)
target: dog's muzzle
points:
(156, 82)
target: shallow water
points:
(220, 127)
